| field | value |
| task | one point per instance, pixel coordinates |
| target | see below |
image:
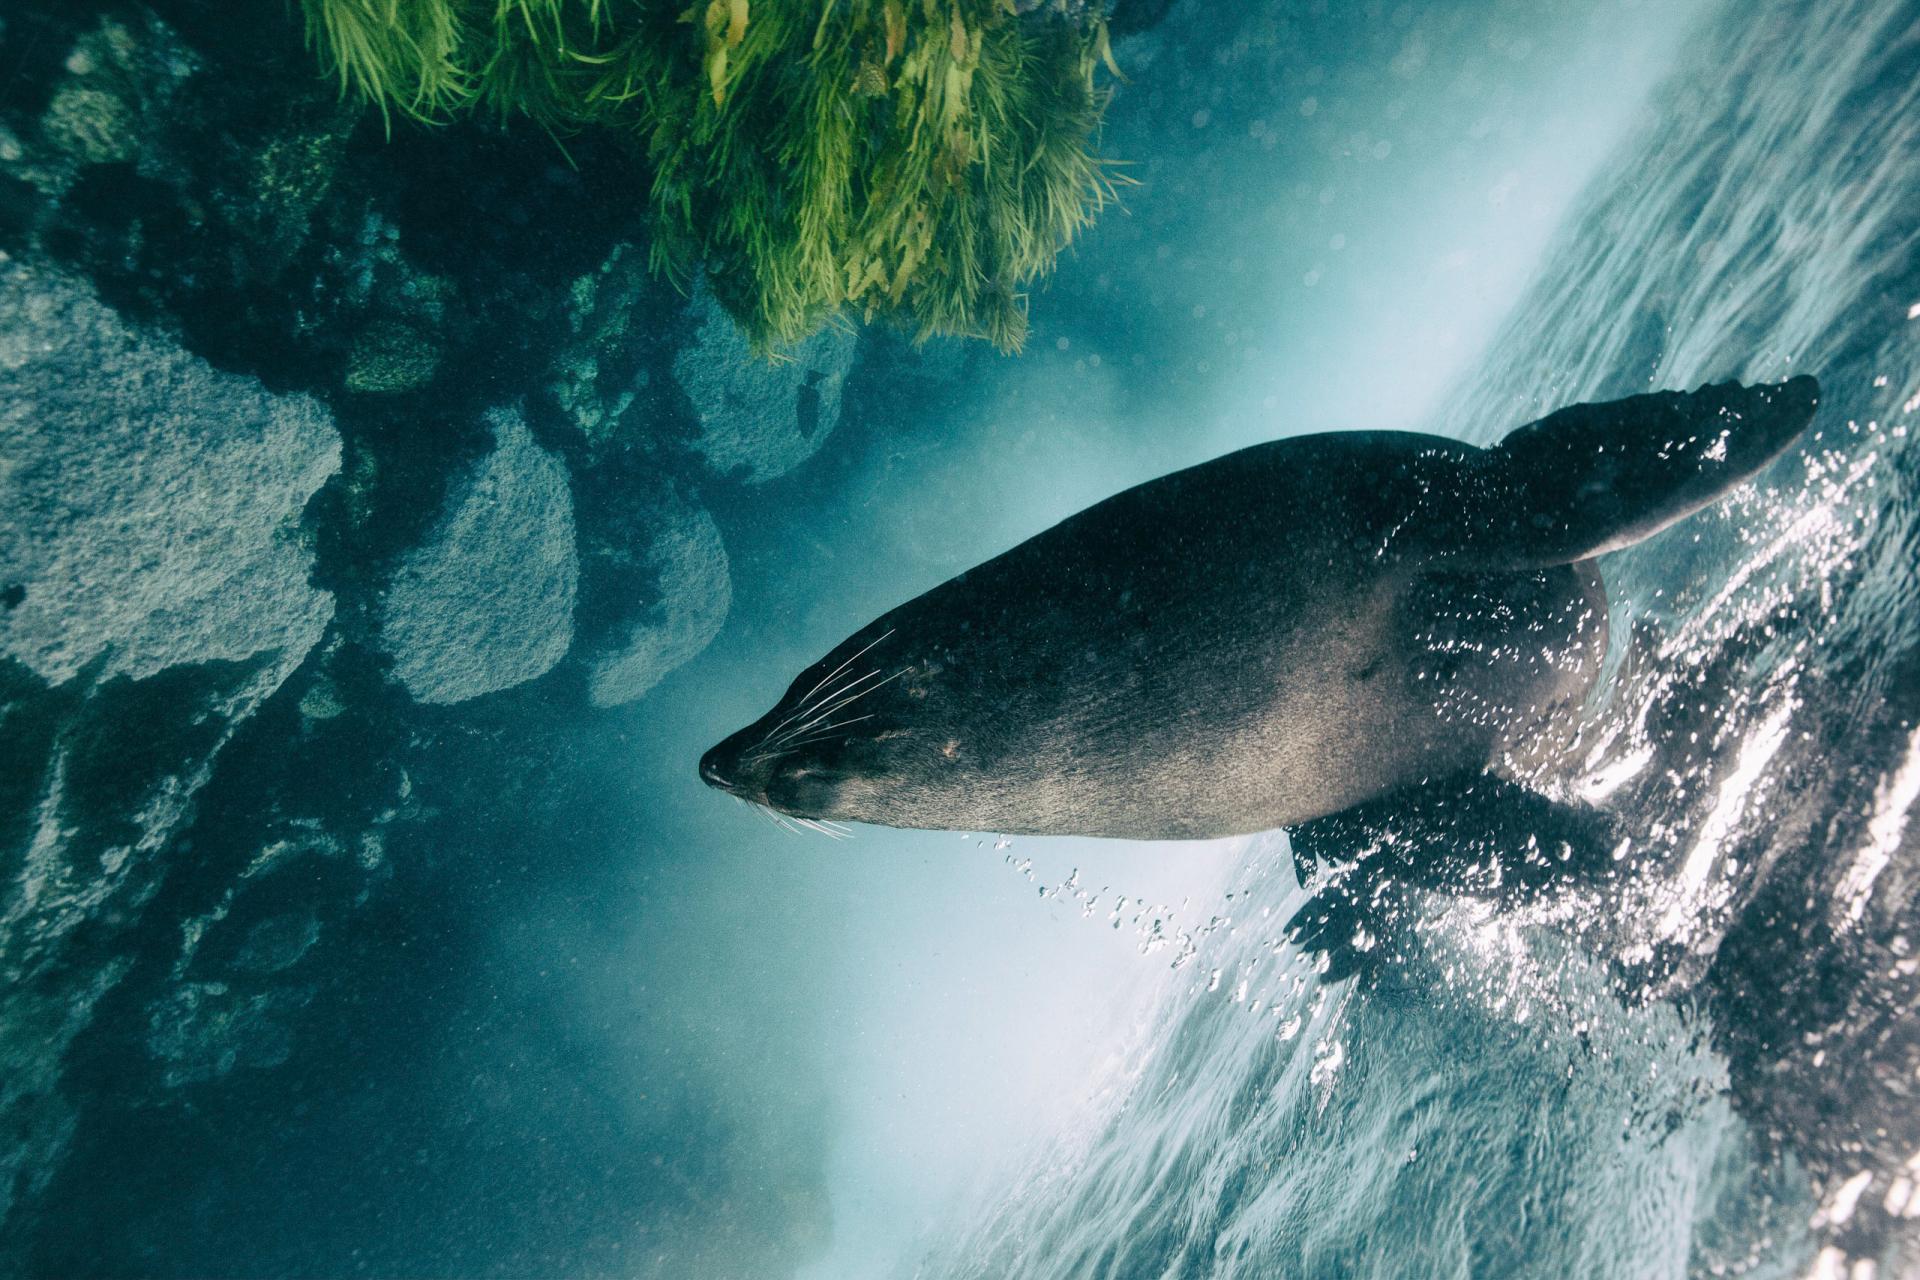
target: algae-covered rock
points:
(390, 355)
(695, 590)
(395, 312)
(180, 189)
(201, 1031)
(597, 374)
(149, 506)
(118, 79)
(92, 124)
(759, 418)
(280, 184)
(486, 602)
(278, 942)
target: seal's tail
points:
(1595, 478)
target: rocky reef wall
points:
(340, 471)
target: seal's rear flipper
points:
(1343, 927)
(1595, 478)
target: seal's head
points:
(843, 743)
(960, 710)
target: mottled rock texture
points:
(760, 418)
(690, 565)
(155, 591)
(486, 602)
(148, 505)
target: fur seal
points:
(1268, 638)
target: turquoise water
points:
(380, 545)
(1704, 1069)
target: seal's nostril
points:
(712, 776)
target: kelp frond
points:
(393, 53)
(919, 159)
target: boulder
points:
(695, 590)
(760, 418)
(153, 593)
(486, 602)
(149, 506)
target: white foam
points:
(1891, 801)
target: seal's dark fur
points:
(1264, 639)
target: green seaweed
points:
(924, 160)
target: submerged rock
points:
(396, 313)
(486, 602)
(203, 1030)
(597, 376)
(153, 593)
(760, 418)
(120, 78)
(390, 355)
(695, 589)
(149, 505)
(278, 942)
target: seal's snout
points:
(743, 764)
(712, 772)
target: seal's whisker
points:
(815, 704)
(813, 698)
(823, 732)
(808, 695)
(780, 743)
(832, 704)
(851, 698)
(840, 704)
(774, 751)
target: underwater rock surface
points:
(118, 77)
(760, 419)
(259, 502)
(690, 567)
(486, 602)
(155, 574)
(149, 504)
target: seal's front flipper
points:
(1471, 833)
(1343, 927)
(1595, 478)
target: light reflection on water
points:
(1702, 1064)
